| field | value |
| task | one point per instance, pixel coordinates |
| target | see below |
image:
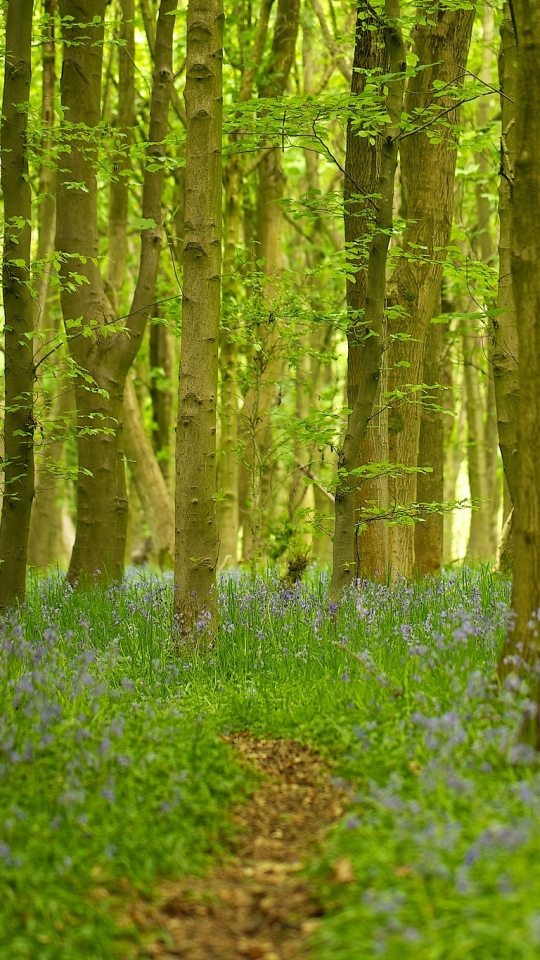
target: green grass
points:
(444, 831)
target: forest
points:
(269, 477)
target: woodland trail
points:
(256, 904)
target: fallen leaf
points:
(343, 871)
(404, 871)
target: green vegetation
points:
(113, 766)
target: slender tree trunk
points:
(374, 312)
(18, 306)
(523, 637)
(47, 541)
(106, 357)
(428, 536)
(479, 546)
(487, 251)
(197, 539)
(119, 191)
(229, 466)
(152, 491)
(161, 364)
(454, 441)
(504, 328)
(368, 551)
(427, 171)
(268, 369)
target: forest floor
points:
(329, 781)
(257, 903)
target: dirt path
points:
(255, 905)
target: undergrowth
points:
(113, 769)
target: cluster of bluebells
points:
(98, 764)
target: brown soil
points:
(255, 905)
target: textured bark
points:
(486, 249)
(229, 463)
(99, 547)
(125, 119)
(47, 173)
(18, 307)
(454, 439)
(505, 337)
(197, 539)
(504, 560)
(161, 363)
(523, 638)
(373, 322)
(427, 172)
(428, 536)
(152, 491)
(480, 545)
(48, 543)
(268, 366)
(368, 552)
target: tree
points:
(374, 313)
(441, 44)
(101, 347)
(18, 306)
(197, 539)
(504, 329)
(369, 548)
(522, 641)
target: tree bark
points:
(229, 463)
(428, 536)
(479, 545)
(268, 366)
(119, 191)
(152, 491)
(522, 640)
(47, 542)
(368, 549)
(101, 353)
(161, 364)
(374, 313)
(504, 329)
(18, 307)
(427, 171)
(197, 539)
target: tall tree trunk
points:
(119, 191)
(368, 551)
(454, 441)
(428, 536)
(47, 541)
(427, 171)
(479, 546)
(18, 306)
(268, 365)
(152, 491)
(486, 249)
(197, 539)
(504, 328)
(374, 313)
(229, 467)
(104, 356)
(161, 372)
(523, 637)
